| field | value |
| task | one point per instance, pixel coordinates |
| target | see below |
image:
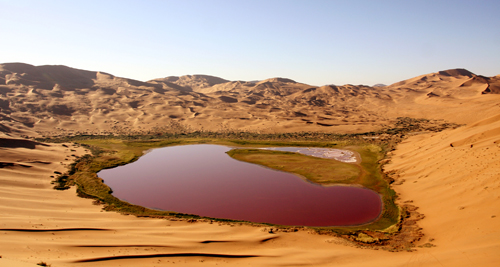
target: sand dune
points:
(41, 224)
(51, 100)
(451, 176)
(198, 83)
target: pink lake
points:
(203, 180)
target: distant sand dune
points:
(452, 177)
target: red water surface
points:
(204, 180)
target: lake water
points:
(204, 180)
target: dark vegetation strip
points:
(389, 136)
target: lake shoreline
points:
(265, 190)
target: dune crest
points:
(450, 177)
(50, 100)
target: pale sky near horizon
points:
(314, 42)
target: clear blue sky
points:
(315, 42)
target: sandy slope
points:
(452, 176)
(457, 188)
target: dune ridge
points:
(52, 100)
(452, 178)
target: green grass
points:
(374, 180)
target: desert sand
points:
(453, 176)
